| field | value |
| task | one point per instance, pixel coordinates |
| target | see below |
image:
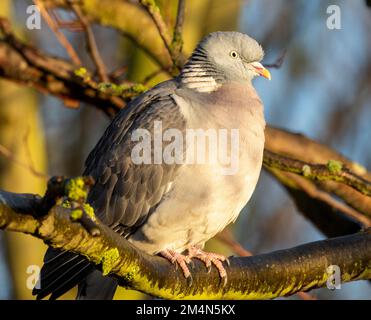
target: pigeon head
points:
(221, 57)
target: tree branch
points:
(226, 237)
(138, 26)
(266, 276)
(91, 44)
(177, 42)
(154, 11)
(314, 198)
(179, 20)
(25, 64)
(334, 171)
(59, 35)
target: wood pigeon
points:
(154, 192)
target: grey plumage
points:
(171, 206)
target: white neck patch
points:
(199, 79)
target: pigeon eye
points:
(233, 54)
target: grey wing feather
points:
(126, 193)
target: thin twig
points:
(49, 74)
(59, 35)
(177, 43)
(334, 171)
(91, 44)
(73, 25)
(179, 19)
(162, 28)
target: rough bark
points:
(266, 276)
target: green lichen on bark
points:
(76, 190)
(66, 204)
(108, 260)
(83, 74)
(334, 166)
(76, 214)
(267, 276)
(151, 5)
(123, 89)
(89, 211)
(307, 171)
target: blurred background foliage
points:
(322, 90)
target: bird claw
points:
(189, 280)
(179, 260)
(227, 261)
(223, 281)
(210, 259)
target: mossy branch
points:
(334, 170)
(173, 46)
(266, 276)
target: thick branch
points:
(280, 273)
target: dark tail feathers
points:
(63, 270)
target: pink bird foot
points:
(178, 259)
(209, 258)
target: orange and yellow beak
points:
(261, 70)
